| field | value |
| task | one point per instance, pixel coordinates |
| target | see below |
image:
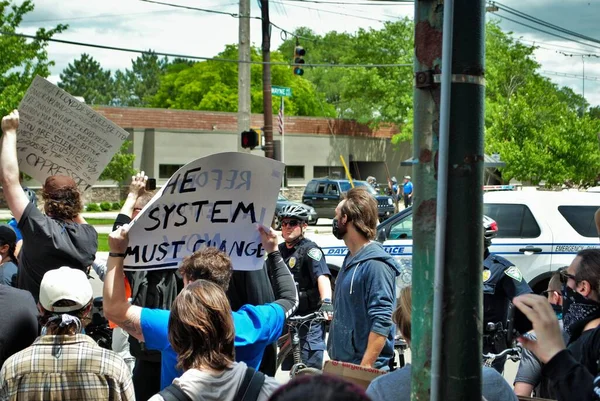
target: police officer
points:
(502, 281)
(307, 263)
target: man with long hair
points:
(63, 363)
(202, 333)
(61, 236)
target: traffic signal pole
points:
(267, 97)
(426, 106)
(462, 317)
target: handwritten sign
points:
(216, 201)
(59, 135)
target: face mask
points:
(338, 230)
(558, 309)
(577, 310)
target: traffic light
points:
(299, 53)
(249, 139)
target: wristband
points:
(117, 255)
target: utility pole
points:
(462, 266)
(243, 117)
(267, 98)
(426, 101)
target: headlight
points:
(390, 202)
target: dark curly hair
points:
(319, 387)
(64, 204)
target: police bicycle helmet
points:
(293, 212)
(490, 230)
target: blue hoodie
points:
(363, 302)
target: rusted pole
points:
(426, 98)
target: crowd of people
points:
(205, 331)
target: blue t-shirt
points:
(255, 328)
(408, 187)
(13, 224)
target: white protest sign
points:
(216, 201)
(59, 135)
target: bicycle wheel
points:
(309, 372)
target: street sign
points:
(281, 91)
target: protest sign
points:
(59, 135)
(216, 201)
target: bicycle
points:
(98, 327)
(290, 342)
(400, 346)
(514, 354)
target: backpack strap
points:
(174, 393)
(251, 385)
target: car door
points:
(523, 238)
(317, 198)
(397, 240)
(331, 200)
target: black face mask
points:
(558, 309)
(338, 230)
(577, 310)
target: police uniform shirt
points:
(502, 281)
(306, 262)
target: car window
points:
(311, 187)
(401, 229)
(514, 221)
(332, 189)
(281, 198)
(345, 186)
(321, 188)
(581, 218)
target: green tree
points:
(120, 167)
(212, 85)
(86, 78)
(136, 87)
(21, 59)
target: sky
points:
(138, 24)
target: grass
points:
(102, 242)
(93, 222)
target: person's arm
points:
(380, 284)
(282, 280)
(100, 270)
(529, 373)
(375, 344)
(9, 167)
(324, 285)
(569, 379)
(116, 307)
(523, 389)
(136, 189)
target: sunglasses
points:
(291, 223)
(546, 292)
(564, 276)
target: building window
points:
(336, 172)
(294, 172)
(167, 170)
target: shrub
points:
(105, 206)
(92, 207)
(116, 206)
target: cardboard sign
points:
(216, 201)
(352, 373)
(59, 135)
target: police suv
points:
(538, 231)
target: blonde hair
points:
(402, 316)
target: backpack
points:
(249, 389)
(155, 289)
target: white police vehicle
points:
(539, 231)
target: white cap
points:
(407, 177)
(65, 284)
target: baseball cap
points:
(407, 177)
(56, 183)
(65, 284)
(7, 234)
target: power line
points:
(562, 74)
(122, 49)
(543, 23)
(546, 32)
(552, 45)
(394, 3)
(331, 12)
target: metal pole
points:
(244, 109)
(267, 98)
(442, 193)
(282, 139)
(463, 284)
(426, 98)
